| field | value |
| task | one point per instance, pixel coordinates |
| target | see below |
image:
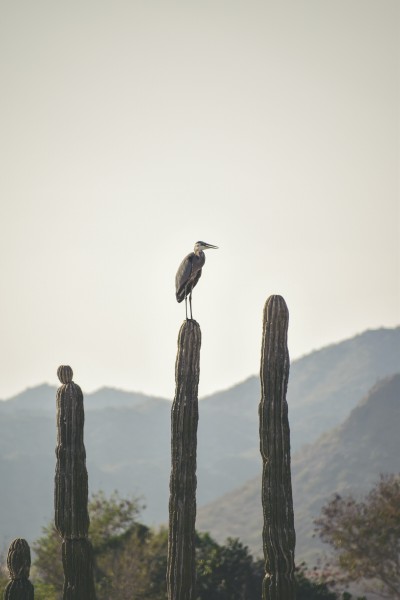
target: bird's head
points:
(203, 246)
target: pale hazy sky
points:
(131, 129)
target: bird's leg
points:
(190, 304)
(186, 305)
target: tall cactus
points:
(19, 564)
(71, 491)
(279, 536)
(181, 574)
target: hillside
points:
(349, 458)
(324, 387)
(127, 435)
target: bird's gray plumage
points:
(189, 273)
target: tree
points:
(365, 536)
(131, 561)
(226, 572)
(307, 589)
(3, 579)
(310, 587)
(113, 521)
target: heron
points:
(189, 273)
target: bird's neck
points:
(199, 253)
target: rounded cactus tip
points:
(65, 374)
(19, 559)
(276, 303)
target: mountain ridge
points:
(128, 446)
(347, 459)
(42, 397)
(120, 397)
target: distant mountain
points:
(42, 397)
(324, 387)
(36, 398)
(349, 458)
(127, 449)
(127, 435)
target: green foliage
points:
(309, 587)
(226, 572)
(45, 591)
(3, 582)
(47, 567)
(131, 561)
(365, 536)
(111, 519)
(113, 524)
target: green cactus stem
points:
(279, 536)
(181, 574)
(19, 563)
(71, 491)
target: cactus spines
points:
(279, 536)
(181, 574)
(19, 564)
(71, 491)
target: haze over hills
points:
(127, 435)
(42, 397)
(348, 458)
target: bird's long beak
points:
(210, 246)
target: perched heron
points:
(189, 273)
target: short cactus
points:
(71, 491)
(19, 564)
(278, 534)
(181, 574)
